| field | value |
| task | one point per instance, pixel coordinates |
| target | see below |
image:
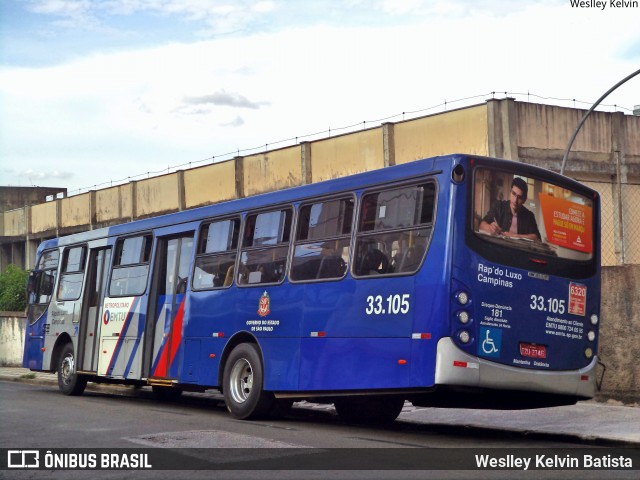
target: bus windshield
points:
(532, 215)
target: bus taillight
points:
(462, 297)
(538, 261)
(464, 336)
(463, 317)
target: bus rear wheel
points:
(243, 384)
(382, 409)
(69, 382)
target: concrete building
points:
(13, 250)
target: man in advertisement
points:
(510, 218)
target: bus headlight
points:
(588, 352)
(463, 317)
(594, 319)
(591, 335)
(464, 336)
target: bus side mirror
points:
(32, 283)
(46, 285)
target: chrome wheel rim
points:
(67, 369)
(241, 380)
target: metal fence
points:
(620, 221)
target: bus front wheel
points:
(243, 384)
(69, 382)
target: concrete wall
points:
(463, 131)
(558, 124)
(619, 347)
(76, 211)
(114, 204)
(270, 171)
(12, 332)
(607, 143)
(347, 154)
(15, 222)
(158, 195)
(44, 217)
(210, 184)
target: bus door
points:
(64, 313)
(166, 305)
(99, 261)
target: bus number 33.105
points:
(552, 305)
(395, 304)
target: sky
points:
(96, 92)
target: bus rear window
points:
(529, 214)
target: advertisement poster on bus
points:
(114, 319)
(568, 224)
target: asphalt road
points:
(38, 416)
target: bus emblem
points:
(106, 317)
(264, 305)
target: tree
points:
(13, 287)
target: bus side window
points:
(394, 230)
(216, 255)
(131, 266)
(322, 240)
(72, 275)
(265, 247)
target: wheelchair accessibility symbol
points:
(490, 342)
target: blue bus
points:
(450, 281)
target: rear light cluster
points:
(462, 302)
(591, 335)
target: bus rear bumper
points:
(457, 368)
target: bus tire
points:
(69, 382)
(242, 384)
(382, 409)
(280, 408)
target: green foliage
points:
(13, 287)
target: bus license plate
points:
(533, 351)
